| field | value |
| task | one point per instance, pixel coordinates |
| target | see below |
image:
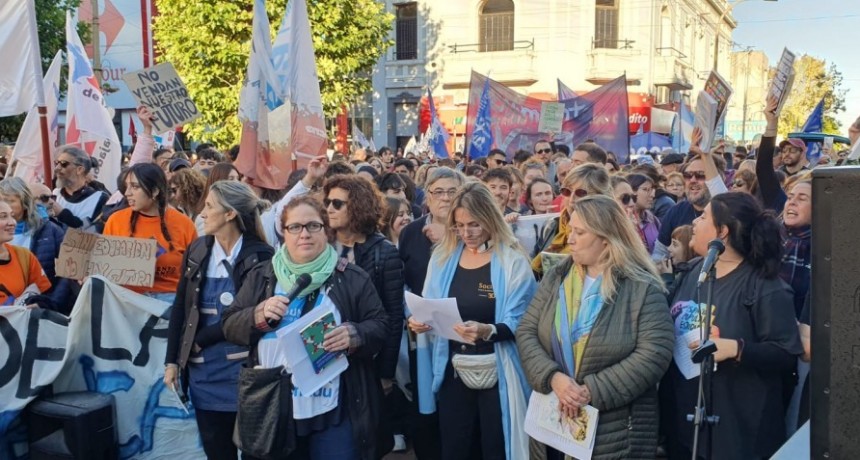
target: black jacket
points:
(347, 288)
(415, 250)
(183, 331)
(380, 259)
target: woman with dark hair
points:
(745, 181)
(355, 209)
(755, 333)
(212, 270)
(539, 196)
(148, 216)
(663, 200)
(397, 216)
(340, 421)
(647, 224)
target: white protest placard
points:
(706, 119)
(529, 231)
(783, 78)
(551, 117)
(548, 425)
(161, 90)
(125, 261)
(439, 314)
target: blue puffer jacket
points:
(45, 245)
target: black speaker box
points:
(76, 425)
(835, 373)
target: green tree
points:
(51, 22)
(209, 42)
(813, 80)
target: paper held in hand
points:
(706, 119)
(780, 86)
(551, 117)
(439, 314)
(572, 436)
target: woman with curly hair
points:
(187, 190)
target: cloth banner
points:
(89, 123)
(564, 92)
(114, 342)
(280, 107)
(642, 144)
(600, 115)
(27, 155)
(21, 72)
(437, 135)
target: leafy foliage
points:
(209, 42)
(813, 80)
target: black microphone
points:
(715, 248)
(303, 281)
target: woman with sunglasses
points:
(341, 420)
(584, 180)
(745, 181)
(212, 269)
(598, 332)
(479, 262)
(355, 210)
(624, 196)
(149, 216)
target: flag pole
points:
(46, 145)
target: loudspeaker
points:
(835, 374)
(77, 425)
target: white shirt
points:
(217, 268)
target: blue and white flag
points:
(482, 133)
(437, 135)
(682, 129)
(814, 124)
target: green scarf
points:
(320, 269)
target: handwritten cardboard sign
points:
(551, 117)
(127, 261)
(161, 90)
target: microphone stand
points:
(704, 355)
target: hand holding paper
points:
(440, 314)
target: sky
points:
(826, 29)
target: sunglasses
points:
(627, 198)
(543, 151)
(311, 227)
(499, 162)
(338, 204)
(62, 163)
(699, 175)
(46, 198)
(579, 193)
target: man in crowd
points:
(496, 159)
(387, 157)
(76, 204)
(671, 162)
(499, 181)
(588, 152)
(207, 159)
(793, 157)
(739, 156)
(405, 166)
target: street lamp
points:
(729, 7)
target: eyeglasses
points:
(579, 193)
(338, 204)
(311, 227)
(699, 175)
(543, 151)
(472, 229)
(62, 163)
(46, 198)
(627, 198)
(439, 193)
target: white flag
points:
(280, 106)
(21, 69)
(89, 123)
(27, 155)
(359, 138)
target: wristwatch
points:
(492, 335)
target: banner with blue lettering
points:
(114, 342)
(600, 115)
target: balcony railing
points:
(612, 44)
(478, 47)
(671, 52)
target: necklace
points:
(483, 248)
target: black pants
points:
(422, 430)
(216, 433)
(470, 421)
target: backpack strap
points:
(23, 256)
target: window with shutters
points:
(497, 26)
(406, 31)
(606, 24)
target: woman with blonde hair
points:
(598, 332)
(476, 380)
(584, 180)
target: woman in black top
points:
(755, 333)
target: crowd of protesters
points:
(598, 328)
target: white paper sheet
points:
(288, 349)
(547, 425)
(684, 356)
(440, 314)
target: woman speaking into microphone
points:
(754, 330)
(340, 422)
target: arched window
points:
(606, 24)
(497, 25)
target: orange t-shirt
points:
(12, 278)
(168, 264)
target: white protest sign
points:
(783, 78)
(529, 230)
(161, 90)
(126, 261)
(551, 117)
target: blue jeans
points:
(162, 296)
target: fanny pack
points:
(478, 372)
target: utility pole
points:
(746, 91)
(97, 55)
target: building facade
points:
(666, 48)
(750, 73)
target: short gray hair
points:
(238, 197)
(81, 157)
(444, 173)
(15, 186)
